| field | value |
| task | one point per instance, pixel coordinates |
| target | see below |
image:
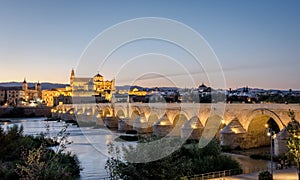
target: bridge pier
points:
(54, 113)
(125, 124)
(192, 129)
(231, 136)
(99, 121)
(141, 125)
(111, 122)
(163, 126)
(280, 143)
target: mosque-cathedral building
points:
(81, 90)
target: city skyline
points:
(256, 42)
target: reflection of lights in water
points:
(108, 139)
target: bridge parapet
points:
(244, 112)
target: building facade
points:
(81, 90)
(21, 95)
(53, 97)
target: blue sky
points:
(257, 42)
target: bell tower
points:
(24, 85)
(38, 88)
(72, 77)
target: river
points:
(90, 145)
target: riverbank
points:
(24, 111)
(253, 151)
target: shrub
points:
(265, 175)
(28, 157)
(188, 160)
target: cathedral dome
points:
(98, 75)
(98, 78)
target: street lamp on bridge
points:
(270, 133)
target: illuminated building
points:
(81, 89)
(137, 92)
(20, 95)
(51, 97)
(96, 86)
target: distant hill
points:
(125, 87)
(45, 85)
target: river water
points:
(90, 145)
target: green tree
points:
(188, 160)
(293, 142)
(29, 157)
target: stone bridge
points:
(236, 125)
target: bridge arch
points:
(153, 118)
(136, 109)
(194, 123)
(178, 122)
(263, 111)
(174, 117)
(121, 110)
(212, 126)
(107, 111)
(256, 135)
(120, 113)
(134, 114)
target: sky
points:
(256, 43)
